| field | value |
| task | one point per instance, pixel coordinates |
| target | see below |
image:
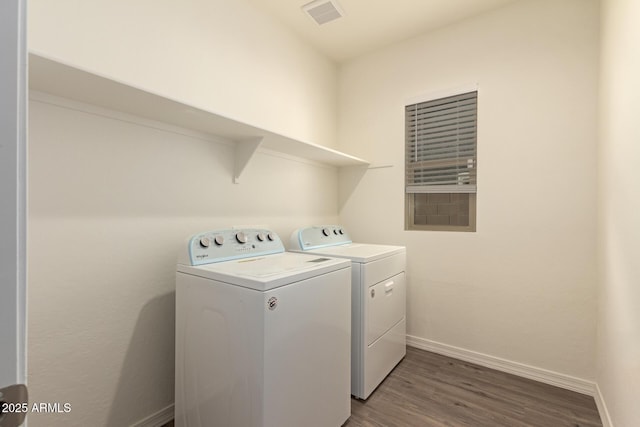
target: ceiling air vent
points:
(323, 11)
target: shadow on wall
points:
(350, 177)
(148, 365)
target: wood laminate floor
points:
(430, 390)
(427, 389)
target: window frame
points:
(410, 198)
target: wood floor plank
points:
(427, 389)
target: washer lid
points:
(267, 272)
(358, 252)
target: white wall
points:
(112, 198)
(218, 55)
(522, 287)
(619, 203)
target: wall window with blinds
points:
(441, 163)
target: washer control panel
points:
(225, 245)
(319, 236)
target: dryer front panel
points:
(385, 303)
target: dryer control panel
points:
(319, 236)
(229, 244)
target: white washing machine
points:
(262, 335)
(378, 301)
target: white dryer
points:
(262, 335)
(378, 301)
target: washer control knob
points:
(335, 231)
(260, 237)
(241, 237)
(271, 237)
(326, 231)
(219, 240)
(340, 231)
(205, 242)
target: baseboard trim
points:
(534, 373)
(602, 408)
(158, 419)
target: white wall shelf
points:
(67, 81)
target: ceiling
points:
(371, 24)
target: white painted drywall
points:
(523, 286)
(112, 199)
(222, 56)
(618, 374)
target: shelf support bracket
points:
(245, 149)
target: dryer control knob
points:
(204, 242)
(260, 237)
(340, 231)
(335, 231)
(270, 236)
(219, 240)
(241, 237)
(326, 231)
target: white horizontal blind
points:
(440, 145)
